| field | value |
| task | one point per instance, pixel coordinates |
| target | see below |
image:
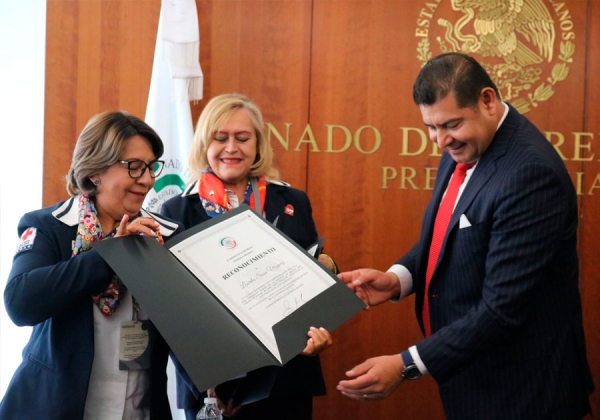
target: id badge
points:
(135, 344)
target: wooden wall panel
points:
(99, 58)
(337, 74)
(62, 73)
(362, 76)
(261, 48)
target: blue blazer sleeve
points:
(45, 280)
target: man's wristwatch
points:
(410, 369)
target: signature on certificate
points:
(290, 305)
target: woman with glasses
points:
(231, 163)
(93, 353)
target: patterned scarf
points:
(214, 198)
(88, 232)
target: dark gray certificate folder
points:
(210, 342)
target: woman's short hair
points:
(100, 144)
(214, 116)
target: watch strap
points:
(407, 358)
(411, 370)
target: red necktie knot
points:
(463, 168)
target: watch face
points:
(411, 372)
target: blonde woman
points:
(231, 163)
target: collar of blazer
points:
(68, 213)
(193, 188)
(274, 203)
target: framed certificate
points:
(230, 295)
(258, 274)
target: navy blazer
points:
(302, 375)
(507, 333)
(51, 291)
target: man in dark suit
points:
(497, 291)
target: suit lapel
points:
(191, 193)
(445, 170)
(486, 167)
(200, 210)
(483, 172)
(68, 215)
(65, 231)
(273, 204)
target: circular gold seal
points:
(525, 45)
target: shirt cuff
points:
(406, 281)
(417, 359)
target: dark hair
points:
(451, 72)
(100, 144)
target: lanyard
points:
(254, 184)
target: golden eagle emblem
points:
(506, 29)
(515, 38)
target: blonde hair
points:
(100, 144)
(214, 115)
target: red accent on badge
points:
(289, 210)
(27, 239)
(27, 234)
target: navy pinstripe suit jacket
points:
(507, 334)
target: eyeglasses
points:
(137, 168)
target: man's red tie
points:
(442, 219)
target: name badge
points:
(135, 344)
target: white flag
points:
(176, 79)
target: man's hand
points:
(372, 286)
(374, 379)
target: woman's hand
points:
(139, 226)
(319, 340)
